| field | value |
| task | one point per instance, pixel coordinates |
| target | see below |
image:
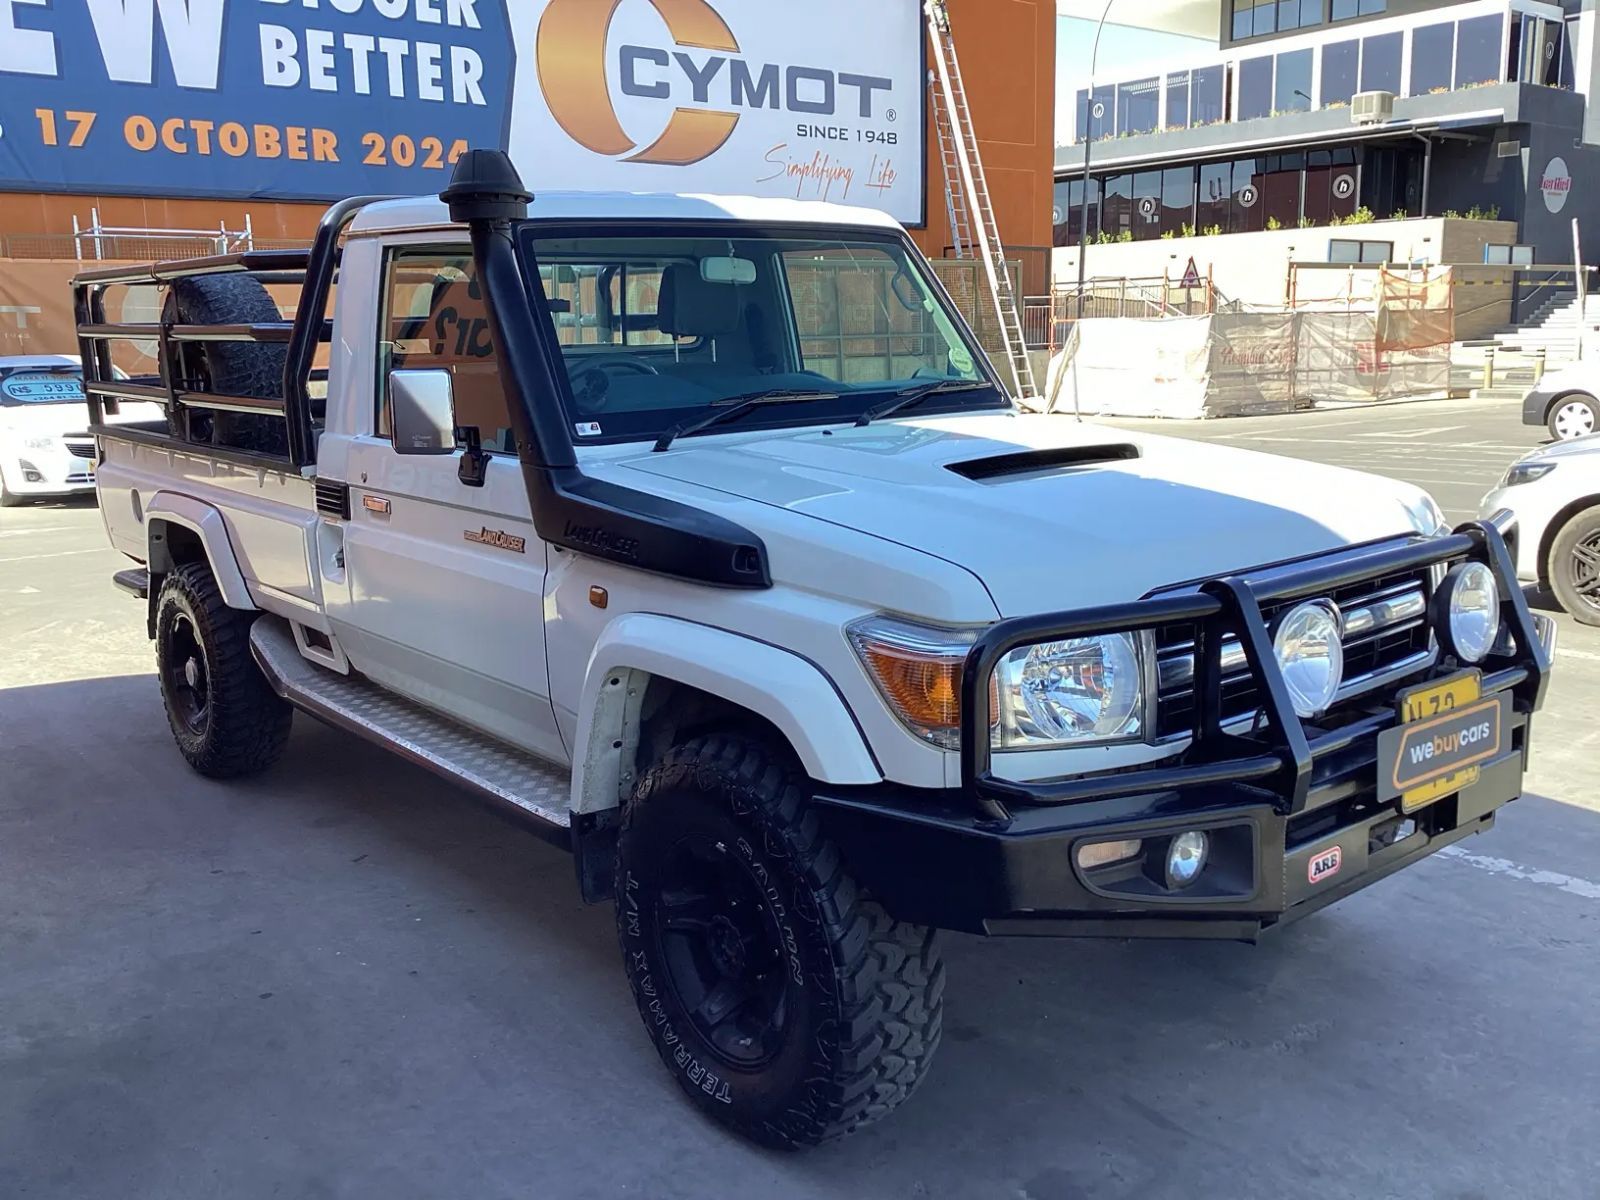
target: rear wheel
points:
(225, 717)
(1574, 566)
(787, 1004)
(1573, 417)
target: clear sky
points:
(1122, 50)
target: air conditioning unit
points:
(1372, 108)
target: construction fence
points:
(1236, 363)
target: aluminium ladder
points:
(955, 192)
(956, 117)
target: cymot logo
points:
(704, 66)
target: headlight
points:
(1071, 692)
(1427, 518)
(38, 443)
(1310, 653)
(1472, 619)
(918, 670)
(1527, 472)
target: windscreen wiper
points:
(912, 396)
(735, 407)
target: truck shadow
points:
(348, 926)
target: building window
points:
(1261, 17)
(1292, 92)
(1138, 106)
(1380, 62)
(1343, 10)
(1177, 199)
(1344, 251)
(1248, 213)
(1147, 205)
(1433, 49)
(1178, 100)
(1478, 51)
(1208, 96)
(1281, 190)
(1536, 51)
(1255, 88)
(1506, 256)
(1116, 213)
(1340, 65)
(1216, 191)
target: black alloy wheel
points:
(1573, 566)
(723, 951)
(183, 664)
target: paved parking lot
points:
(343, 981)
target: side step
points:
(504, 776)
(135, 581)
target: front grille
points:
(80, 449)
(1387, 634)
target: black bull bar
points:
(1280, 756)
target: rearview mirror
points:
(727, 270)
(422, 412)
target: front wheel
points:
(8, 498)
(1573, 416)
(1574, 566)
(788, 1005)
(224, 715)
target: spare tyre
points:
(252, 369)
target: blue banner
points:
(249, 99)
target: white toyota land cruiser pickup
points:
(700, 534)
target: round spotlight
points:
(1186, 858)
(1310, 653)
(1473, 617)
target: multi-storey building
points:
(1275, 128)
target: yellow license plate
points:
(1435, 700)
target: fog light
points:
(1186, 858)
(30, 473)
(1103, 854)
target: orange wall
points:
(1007, 50)
(1008, 62)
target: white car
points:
(699, 534)
(46, 449)
(1566, 402)
(1555, 493)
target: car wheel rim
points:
(1574, 420)
(188, 681)
(1583, 566)
(722, 946)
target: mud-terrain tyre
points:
(237, 368)
(787, 1004)
(1574, 566)
(225, 717)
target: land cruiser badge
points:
(498, 539)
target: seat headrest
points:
(691, 307)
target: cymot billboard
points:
(317, 99)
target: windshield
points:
(40, 385)
(657, 330)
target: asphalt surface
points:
(342, 980)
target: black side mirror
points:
(474, 469)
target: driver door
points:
(446, 579)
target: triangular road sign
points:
(1191, 275)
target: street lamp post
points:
(1083, 213)
(1088, 147)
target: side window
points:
(435, 318)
